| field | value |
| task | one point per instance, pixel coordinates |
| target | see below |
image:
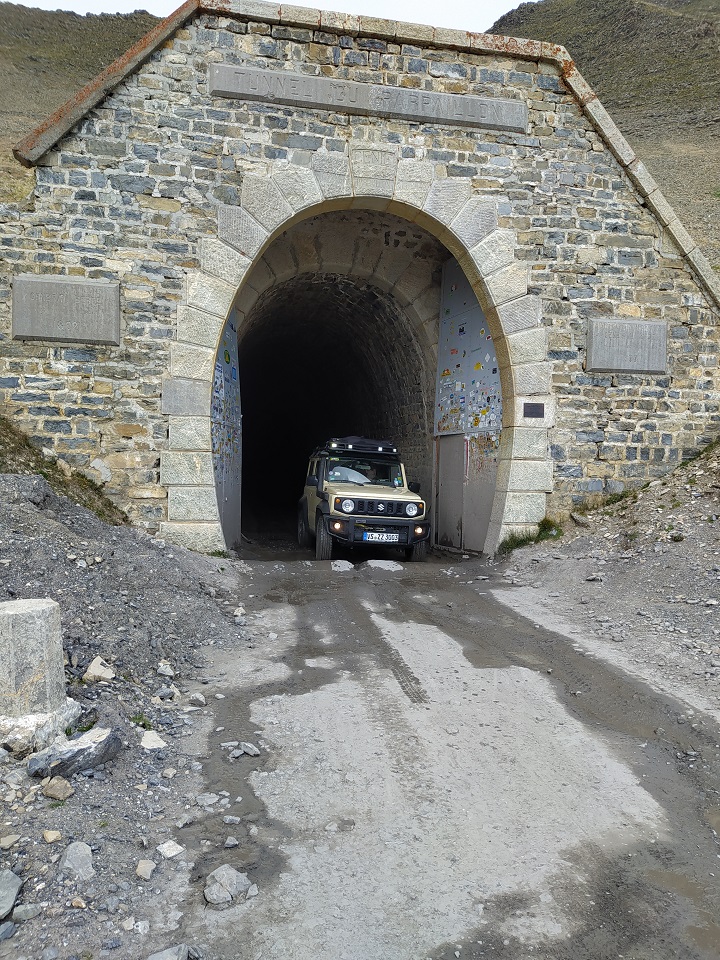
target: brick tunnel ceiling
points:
(322, 355)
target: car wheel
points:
(323, 540)
(418, 551)
(303, 532)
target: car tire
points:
(323, 540)
(303, 531)
(417, 552)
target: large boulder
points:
(82, 752)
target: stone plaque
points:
(626, 346)
(349, 96)
(65, 309)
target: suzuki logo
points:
(381, 507)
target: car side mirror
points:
(414, 486)
(312, 481)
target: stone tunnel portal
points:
(345, 347)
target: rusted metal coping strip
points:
(29, 150)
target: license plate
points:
(381, 537)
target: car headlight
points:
(347, 506)
(411, 509)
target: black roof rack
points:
(359, 445)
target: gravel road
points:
(448, 759)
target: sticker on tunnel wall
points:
(468, 396)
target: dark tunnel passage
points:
(325, 355)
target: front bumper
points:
(353, 530)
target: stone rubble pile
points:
(98, 827)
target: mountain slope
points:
(45, 58)
(656, 67)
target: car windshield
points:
(364, 470)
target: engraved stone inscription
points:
(627, 346)
(349, 96)
(65, 309)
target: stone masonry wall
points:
(132, 189)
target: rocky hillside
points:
(47, 57)
(656, 65)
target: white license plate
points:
(381, 537)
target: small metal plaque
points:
(371, 99)
(626, 346)
(65, 309)
(534, 411)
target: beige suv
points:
(356, 493)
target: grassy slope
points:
(656, 66)
(46, 57)
(18, 455)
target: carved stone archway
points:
(374, 178)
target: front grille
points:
(381, 508)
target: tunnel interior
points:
(327, 352)
(322, 356)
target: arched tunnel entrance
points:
(329, 352)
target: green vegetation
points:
(547, 530)
(140, 720)
(18, 455)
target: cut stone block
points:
(33, 706)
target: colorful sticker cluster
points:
(225, 425)
(468, 396)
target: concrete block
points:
(191, 362)
(186, 469)
(641, 178)
(530, 411)
(65, 309)
(525, 476)
(262, 199)
(240, 230)
(532, 378)
(528, 346)
(521, 507)
(525, 443)
(347, 23)
(192, 503)
(494, 252)
(446, 198)
(332, 172)
(373, 170)
(298, 185)
(34, 709)
(186, 398)
(606, 127)
(706, 274)
(190, 433)
(198, 326)
(203, 537)
(523, 313)
(509, 283)
(413, 181)
(208, 293)
(221, 260)
(681, 237)
(474, 221)
(659, 205)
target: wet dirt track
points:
(442, 777)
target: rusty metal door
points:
(450, 490)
